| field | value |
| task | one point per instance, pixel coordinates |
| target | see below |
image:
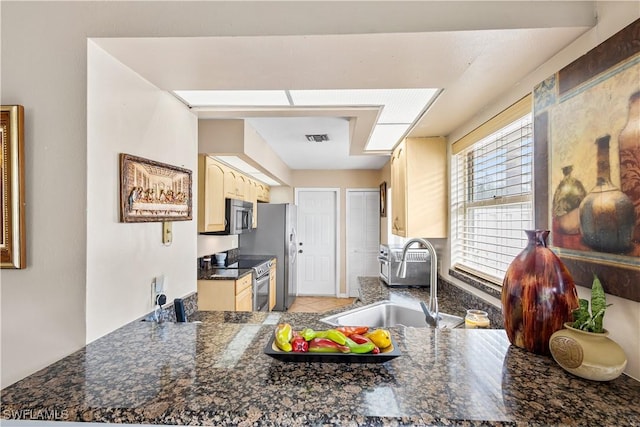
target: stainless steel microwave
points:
(238, 217)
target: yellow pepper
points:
(380, 337)
(283, 334)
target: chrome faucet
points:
(431, 312)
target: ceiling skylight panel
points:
(223, 98)
(405, 105)
(384, 137)
(400, 105)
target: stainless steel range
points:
(418, 265)
(261, 275)
(261, 266)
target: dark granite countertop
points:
(222, 273)
(215, 373)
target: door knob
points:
(300, 251)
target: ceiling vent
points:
(317, 138)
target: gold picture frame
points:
(151, 191)
(12, 215)
(383, 199)
(579, 114)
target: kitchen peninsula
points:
(215, 373)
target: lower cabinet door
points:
(216, 295)
(244, 300)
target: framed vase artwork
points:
(12, 215)
(151, 191)
(587, 162)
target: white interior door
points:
(317, 225)
(363, 236)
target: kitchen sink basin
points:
(388, 313)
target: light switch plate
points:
(167, 237)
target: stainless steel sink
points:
(388, 313)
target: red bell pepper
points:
(350, 330)
(299, 344)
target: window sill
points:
(477, 283)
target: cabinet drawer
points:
(243, 283)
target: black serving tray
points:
(388, 353)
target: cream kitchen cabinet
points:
(217, 181)
(419, 188)
(234, 184)
(263, 193)
(244, 294)
(251, 195)
(211, 209)
(272, 285)
(226, 295)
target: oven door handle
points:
(261, 280)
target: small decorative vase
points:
(566, 202)
(629, 146)
(587, 354)
(607, 217)
(538, 295)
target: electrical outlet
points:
(158, 286)
(160, 283)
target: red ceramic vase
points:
(538, 295)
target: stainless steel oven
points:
(418, 265)
(261, 278)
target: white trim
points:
(336, 192)
(346, 294)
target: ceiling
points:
(473, 59)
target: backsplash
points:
(168, 313)
(466, 301)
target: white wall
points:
(126, 114)
(623, 318)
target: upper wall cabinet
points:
(211, 215)
(234, 184)
(264, 193)
(419, 188)
(216, 182)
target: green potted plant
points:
(591, 321)
(583, 347)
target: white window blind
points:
(491, 196)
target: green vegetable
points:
(591, 321)
(308, 334)
(283, 335)
(365, 347)
(332, 334)
(335, 336)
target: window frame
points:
(496, 128)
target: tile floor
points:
(318, 304)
